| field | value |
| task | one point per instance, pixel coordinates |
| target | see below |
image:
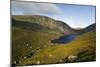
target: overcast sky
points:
(77, 16)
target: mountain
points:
(91, 27)
(32, 33)
(41, 23)
(32, 36)
(27, 25)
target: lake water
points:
(64, 39)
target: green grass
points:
(83, 47)
(35, 40)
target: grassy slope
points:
(50, 24)
(83, 47)
(36, 40)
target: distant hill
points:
(41, 23)
(91, 27)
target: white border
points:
(4, 33)
(88, 2)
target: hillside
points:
(41, 23)
(91, 27)
(83, 48)
(25, 42)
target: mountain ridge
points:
(89, 28)
(44, 22)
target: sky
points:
(76, 16)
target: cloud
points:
(31, 8)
